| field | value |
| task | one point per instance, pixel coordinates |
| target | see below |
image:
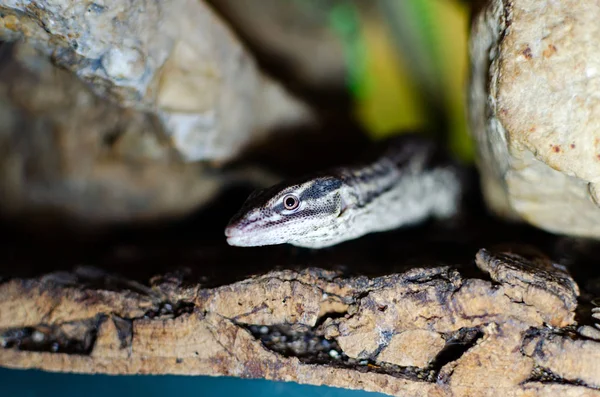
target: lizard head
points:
(301, 213)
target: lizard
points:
(409, 183)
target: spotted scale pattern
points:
(405, 185)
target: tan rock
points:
(533, 112)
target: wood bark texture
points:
(436, 331)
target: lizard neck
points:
(384, 196)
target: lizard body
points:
(404, 186)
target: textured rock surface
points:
(471, 336)
(534, 111)
(66, 150)
(173, 58)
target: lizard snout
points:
(232, 231)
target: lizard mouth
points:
(240, 238)
(244, 240)
(235, 236)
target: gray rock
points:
(65, 150)
(298, 34)
(174, 58)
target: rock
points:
(67, 151)
(173, 58)
(426, 331)
(534, 112)
(299, 36)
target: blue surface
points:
(19, 383)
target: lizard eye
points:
(290, 202)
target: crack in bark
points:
(545, 375)
(215, 336)
(311, 348)
(74, 337)
(308, 345)
(541, 373)
(166, 308)
(79, 337)
(124, 331)
(457, 344)
(254, 310)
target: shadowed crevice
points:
(457, 344)
(75, 337)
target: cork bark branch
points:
(426, 331)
